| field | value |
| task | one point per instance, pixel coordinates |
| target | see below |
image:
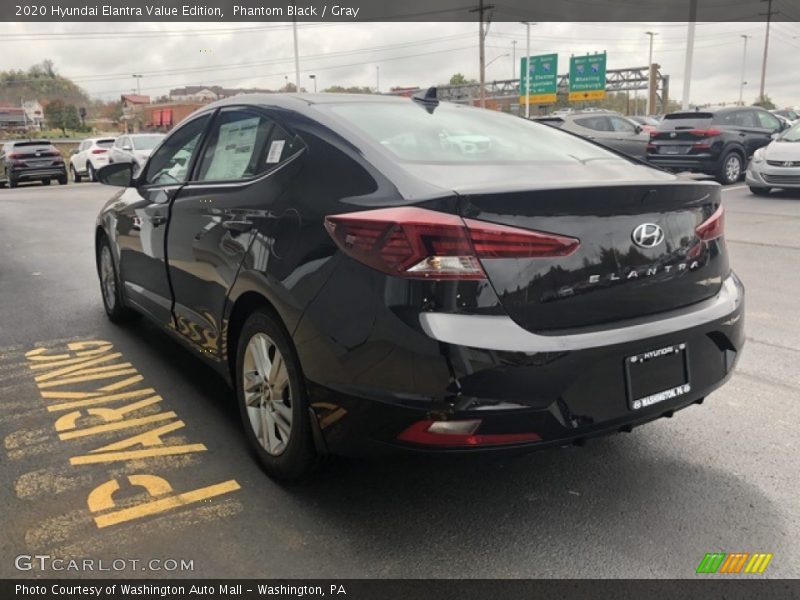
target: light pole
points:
(744, 63)
(496, 58)
(687, 65)
(296, 57)
(513, 59)
(378, 79)
(649, 109)
(314, 77)
(766, 51)
(527, 68)
(138, 87)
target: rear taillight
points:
(420, 243)
(710, 132)
(713, 227)
(459, 433)
(99, 151)
(16, 155)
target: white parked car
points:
(90, 155)
(776, 165)
(135, 148)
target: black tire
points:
(63, 180)
(12, 183)
(45, 182)
(75, 176)
(760, 191)
(112, 301)
(90, 172)
(727, 173)
(298, 456)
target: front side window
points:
(453, 134)
(622, 125)
(242, 145)
(171, 162)
(746, 118)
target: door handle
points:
(157, 220)
(240, 226)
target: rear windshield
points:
(146, 142)
(453, 134)
(105, 143)
(685, 120)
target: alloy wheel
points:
(267, 393)
(733, 168)
(107, 279)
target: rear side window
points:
(595, 123)
(622, 125)
(242, 145)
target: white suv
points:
(90, 155)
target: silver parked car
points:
(776, 165)
(606, 128)
(134, 148)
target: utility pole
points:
(138, 78)
(378, 79)
(766, 50)
(482, 33)
(744, 63)
(296, 57)
(513, 59)
(314, 77)
(650, 87)
(527, 68)
(687, 66)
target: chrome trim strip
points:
(503, 334)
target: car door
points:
(79, 160)
(142, 225)
(598, 128)
(750, 131)
(234, 194)
(632, 139)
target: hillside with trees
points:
(40, 82)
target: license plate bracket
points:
(657, 375)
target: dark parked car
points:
(607, 128)
(367, 283)
(719, 143)
(31, 160)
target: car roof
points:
(300, 102)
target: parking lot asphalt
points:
(719, 477)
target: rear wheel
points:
(12, 183)
(760, 191)
(75, 177)
(272, 401)
(730, 168)
(110, 285)
(90, 172)
(45, 182)
(63, 180)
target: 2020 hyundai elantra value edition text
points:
(366, 284)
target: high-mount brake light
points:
(425, 244)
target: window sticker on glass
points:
(234, 150)
(275, 151)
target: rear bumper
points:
(703, 163)
(37, 174)
(562, 388)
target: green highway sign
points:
(587, 77)
(543, 77)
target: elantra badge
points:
(647, 235)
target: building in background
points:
(34, 114)
(133, 112)
(165, 115)
(12, 118)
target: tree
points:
(765, 102)
(60, 115)
(353, 89)
(459, 79)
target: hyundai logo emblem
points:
(647, 235)
(788, 163)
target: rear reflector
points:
(713, 227)
(99, 151)
(459, 433)
(420, 243)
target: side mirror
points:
(775, 135)
(118, 174)
(127, 148)
(638, 129)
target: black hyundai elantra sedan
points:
(374, 273)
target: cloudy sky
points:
(102, 56)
